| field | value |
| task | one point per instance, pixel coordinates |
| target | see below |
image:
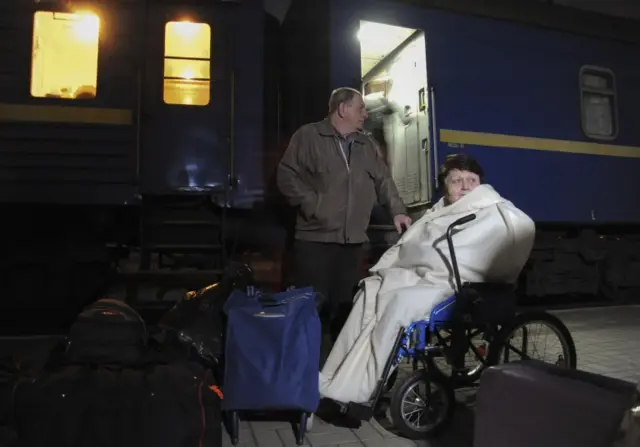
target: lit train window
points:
(599, 103)
(187, 63)
(64, 61)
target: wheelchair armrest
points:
(487, 302)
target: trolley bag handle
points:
(266, 299)
(280, 298)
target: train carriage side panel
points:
(306, 64)
(517, 105)
(103, 139)
(249, 104)
(65, 138)
(203, 97)
(510, 94)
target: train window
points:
(64, 61)
(598, 99)
(187, 63)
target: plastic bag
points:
(197, 318)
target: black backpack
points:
(107, 332)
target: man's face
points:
(460, 183)
(354, 113)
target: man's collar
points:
(326, 129)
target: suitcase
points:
(534, 404)
(272, 354)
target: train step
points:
(184, 248)
(189, 225)
(184, 223)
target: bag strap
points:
(19, 376)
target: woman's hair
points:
(461, 162)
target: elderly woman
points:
(415, 274)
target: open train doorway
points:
(394, 84)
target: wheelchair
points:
(486, 309)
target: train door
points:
(421, 137)
(186, 99)
(395, 57)
(411, 124)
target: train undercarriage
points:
(59, 258)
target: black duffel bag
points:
(159, 405)
(111, 385)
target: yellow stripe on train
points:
(538, 144)
(65, 114)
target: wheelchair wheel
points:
(417, 414)
(475, 360)
(502, 346)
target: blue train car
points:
(545, 97)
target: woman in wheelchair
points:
(416, 274)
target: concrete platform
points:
(606, 340)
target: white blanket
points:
(415, 274)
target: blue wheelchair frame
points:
(415, 338)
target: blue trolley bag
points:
(272, 351)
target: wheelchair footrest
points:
(363, 412)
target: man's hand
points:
(401, 221)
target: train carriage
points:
(109, 100)
(154, 126)
(125, 123)
(545, 97)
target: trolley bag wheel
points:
(305, 424)
(310, 422)
(233, 419)
(416, 414)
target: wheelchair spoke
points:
(517, 351)
(420, 410)
(523, 341)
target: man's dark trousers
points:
(334, 271)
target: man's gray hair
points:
(340, 96)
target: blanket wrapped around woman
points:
(415, 275)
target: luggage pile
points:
(108, 385)
(111, 383)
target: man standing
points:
(334, 174)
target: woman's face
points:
(458, 184)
